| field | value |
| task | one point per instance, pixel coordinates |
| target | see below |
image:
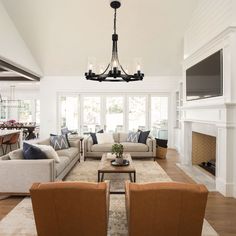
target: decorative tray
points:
(125, 163)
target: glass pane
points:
(69, 112)
(114, 114)
(159, 117)
(25, 112)
(91, 114)
(137, 113)
(37, 111)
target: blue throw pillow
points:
(31, 152)
(94, 137)
(143, 136)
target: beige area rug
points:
(20, 221)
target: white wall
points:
(51, 86)
(210, 18)
(12, 47)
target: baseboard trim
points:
(227, 189)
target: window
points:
(137, 113)
(25, 112)
(159, 117)
(91, 114)
(69, 112)
(114, 114)
(37, 111)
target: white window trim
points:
(103, 96)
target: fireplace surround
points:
(214, 116)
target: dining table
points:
(28, 130)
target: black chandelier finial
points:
(114, 72)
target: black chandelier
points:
(114, 72)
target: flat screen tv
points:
(205, 79)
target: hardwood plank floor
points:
(220, 211)
(6, 205)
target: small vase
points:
(119, 160)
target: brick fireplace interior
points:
(204, 151)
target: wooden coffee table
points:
(106, 167)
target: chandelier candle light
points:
(114, 71)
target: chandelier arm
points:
(105, 70)
(123, 69)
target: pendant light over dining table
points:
(114, 71)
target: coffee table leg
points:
(130, 177)
(102, 177)
(98, 176)
(134, 176)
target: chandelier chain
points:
(115, 22)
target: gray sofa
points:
(135, 149)
(17, 176)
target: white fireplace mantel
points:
(214, 116)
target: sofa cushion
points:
(134, 147)
(123, 137)
(105, 138)
(16, 154)
(102, 147)
(49, 151)
(64, 162)
(70, 152)
(116, 137)
(44, 142)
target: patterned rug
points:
(20, 220)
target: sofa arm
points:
(151, 143)
(17, 176)
(88, 143)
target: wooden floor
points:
(220, 211)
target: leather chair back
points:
(165, 209)
(70, 208)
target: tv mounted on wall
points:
(205, 79)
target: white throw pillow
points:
(16, 155)
(104, 138)
(49, 151)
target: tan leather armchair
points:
(70, 208)
(165, 209)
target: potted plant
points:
(118, 150)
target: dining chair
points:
(14, 139)
(1, 145)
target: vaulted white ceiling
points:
(62, 34)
